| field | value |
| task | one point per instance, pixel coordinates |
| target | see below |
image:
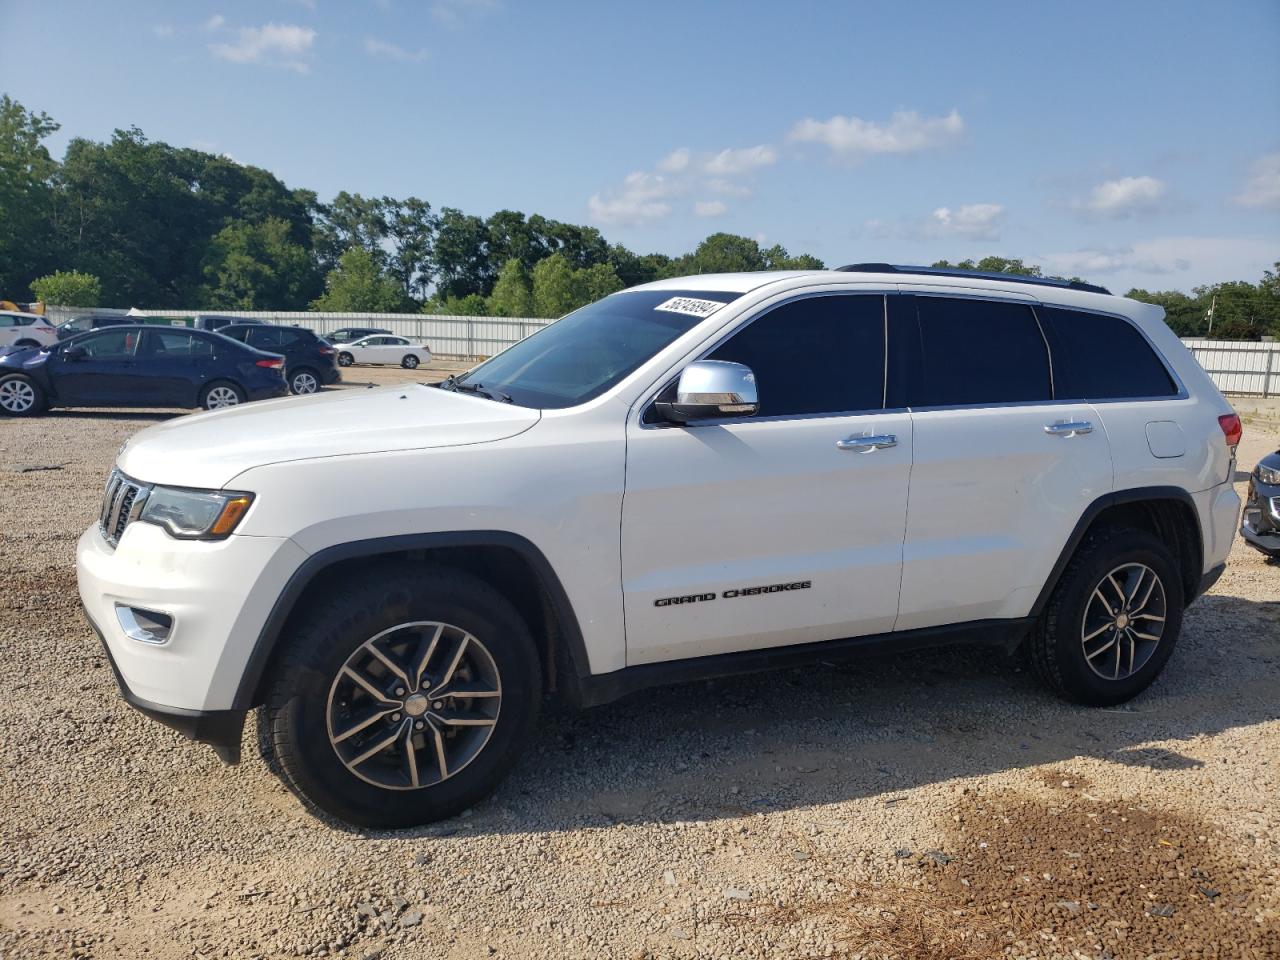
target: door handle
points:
(867, 444)
(1068, 428)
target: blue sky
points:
(1131, 143)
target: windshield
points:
(584, 354)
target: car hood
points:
(211, 449)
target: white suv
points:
(692, 478)
(26, 330)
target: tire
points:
(20, 396)
(1077, 647)
(221, 394)
(313, 702)
(409, 361)
(304, 381)
(345, 359)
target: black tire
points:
(295, 717)
(1056, 648)
(304, 381)
(345, 359)
(409, 361)
(20, 396)
(215, 395)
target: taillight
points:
(327, 351)
(1231, 428)
(275, 363)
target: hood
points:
(210, 449)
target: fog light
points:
(145, 626)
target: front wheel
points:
(1112, 621)
(410, 362)
(20, 396)
(404, 697)
(345, 359)
(221, 394)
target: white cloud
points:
(641, 199)
(741, 160)
(1262, 189)
(1126, 197)
(710, 208)
(972, 221)
(1191, 260)
(675, 161)
(389, 51)
(216, 22)
(281, 44)
(906, 132)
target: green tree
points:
(993, 265)
(26, 197)
(1185, 315)
(512, 294)
(593, 283)
(553, 287)
(461, 255)
(777, 258)
(359, 285)
(68, 289)
(257, 266)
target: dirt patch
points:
(1072, 876)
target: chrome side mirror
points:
(712, 388)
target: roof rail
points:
(973, 274)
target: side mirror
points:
(712, 388)
(73, 353)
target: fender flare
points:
(269, 636)
(1091, 513)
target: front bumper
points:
(1260, 522)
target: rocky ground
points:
(933, 805)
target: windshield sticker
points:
(690, 306)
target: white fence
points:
(1240, 366)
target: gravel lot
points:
(931, 805)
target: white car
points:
(384, 349)
(691, 478)
(26, 330)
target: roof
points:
(972, 275)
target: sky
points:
(1133, 144)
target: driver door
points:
(105, 373)
(757, 532)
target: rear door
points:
(1002, 468)
(172, 366)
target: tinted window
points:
(815, 355)
(288, 337)
(116, 343)
(236, 333)
(264, 337)
(166, 344)
(970, 352)
(1096, 357)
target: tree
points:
(593, 283)
(359, 285)
(777, 258)
(411, 228)
(257, 266)
(68, 289)
(993, 265)
(553, 287)
(26, 196)
(512, 294)
(461, 255)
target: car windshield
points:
(582, 355)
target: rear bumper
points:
(330, 376)
(268, 392)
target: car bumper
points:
(1260, 523)
(331, 376)
(269, 392)
(218, 594)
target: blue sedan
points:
(138, 366)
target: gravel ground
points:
(931, 805)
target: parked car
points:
(92, 321)
(309, 362)
(691, 478)
(1260, 523)
(384, 350)
(347, 334)
(138, 366)
(211, 321)
(26, 330)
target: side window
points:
(167, 344)
(288, 337)
(814, 355)
(971, 352)
(6, 320)
(1097, 357)
(242, 334)
(117, 343)
(265, 338)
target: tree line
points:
(139, 222)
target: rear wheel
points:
(345, 359)
(410, 362)
(20, 396)
(27, 343)
(1112, 621)
(404, 698)
(304, 381)
(221, 394)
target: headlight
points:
(1269, 475)
(195, 514)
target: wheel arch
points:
(1168, 512)
(509, 562)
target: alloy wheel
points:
(1123, 621)
(413, 705)
(220, 397)
(17, 396)
(409, 362)
(305, 383)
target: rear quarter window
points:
(1100, 357)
